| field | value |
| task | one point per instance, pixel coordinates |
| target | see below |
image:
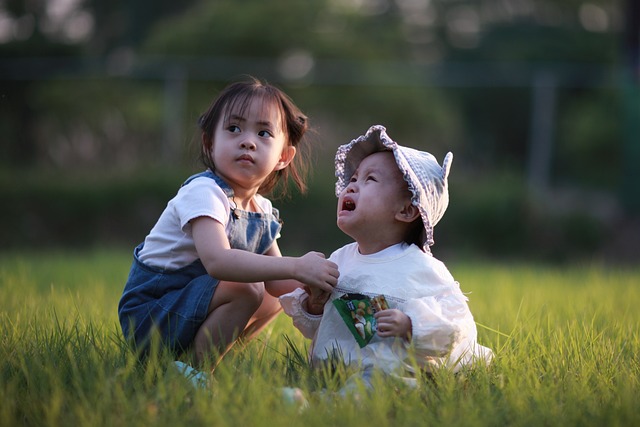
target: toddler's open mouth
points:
(348, 205)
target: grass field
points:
(567, 343)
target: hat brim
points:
(349, 156)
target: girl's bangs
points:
(238, 105)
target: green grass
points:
(566, 340)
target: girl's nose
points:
(248, 144)
(351, 187)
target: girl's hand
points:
(393, 323)
(315, 271)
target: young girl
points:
(199, 278)
(408, 308)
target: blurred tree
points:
(88, 83)
(631, 101)
(572, 44)
(372, 54)
(351, 58)
(26, 36)
(39, 41)
(122, 23)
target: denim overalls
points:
(176, 302)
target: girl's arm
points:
(236, 265)
(314, 304)
(277, 288)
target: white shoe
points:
(197, 378)
(295, 396)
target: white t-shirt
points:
(170, 245)
(443, 329)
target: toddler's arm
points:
(294, 305)
(439, 323)
(236, 265)
(443, 327)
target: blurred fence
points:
(543, 80)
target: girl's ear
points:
(409, 213)
(287, 155)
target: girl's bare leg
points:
(232, 308)
(266, 313)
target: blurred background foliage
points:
(538, 100)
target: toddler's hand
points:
(393, 323)
(314, 270)
(316, 299)
(317, 296)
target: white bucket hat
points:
(427, 180)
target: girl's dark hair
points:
(236, 97)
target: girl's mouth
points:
(246, 157)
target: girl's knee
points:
(249, 294)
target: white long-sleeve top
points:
(443, 329)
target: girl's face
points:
(250, 145)
(376, 194)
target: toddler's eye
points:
(265, 134)
(233, 128)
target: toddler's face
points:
(375, 194)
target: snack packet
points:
(357, 311)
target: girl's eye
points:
(265, 134)
(233, 128)
(371, 178)
(353, 179)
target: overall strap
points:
(209, 174)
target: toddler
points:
(394, 303)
